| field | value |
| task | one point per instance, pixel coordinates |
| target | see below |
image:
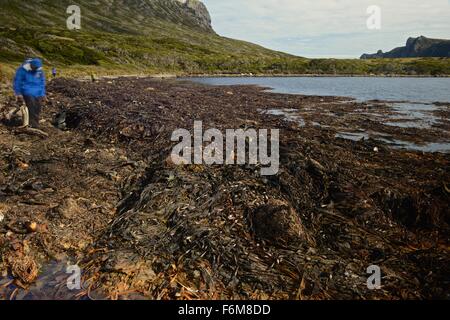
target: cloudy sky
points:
(329, 28)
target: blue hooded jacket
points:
(28, 82)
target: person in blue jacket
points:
(29, 87)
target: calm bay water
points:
(425, 90)
(411, 99)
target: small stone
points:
(31, 227)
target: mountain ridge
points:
(416, 48)
(158, 35)
(124, 16)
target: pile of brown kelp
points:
(104, 192)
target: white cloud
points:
(328, 27)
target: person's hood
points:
(35, 62)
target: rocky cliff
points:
(415, 47)
(200, 12)
(131, 16)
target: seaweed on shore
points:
(151, 229)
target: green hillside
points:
(157, 36)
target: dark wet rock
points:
(278, 223)
(68, 209)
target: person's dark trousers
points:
(34, 110)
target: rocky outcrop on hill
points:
(200, 12)
(416, 47)
(119, 16)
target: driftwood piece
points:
(33, 131)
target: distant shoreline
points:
(6, 80)
(308, 76)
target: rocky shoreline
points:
(104, 195)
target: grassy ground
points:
(405, 67)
